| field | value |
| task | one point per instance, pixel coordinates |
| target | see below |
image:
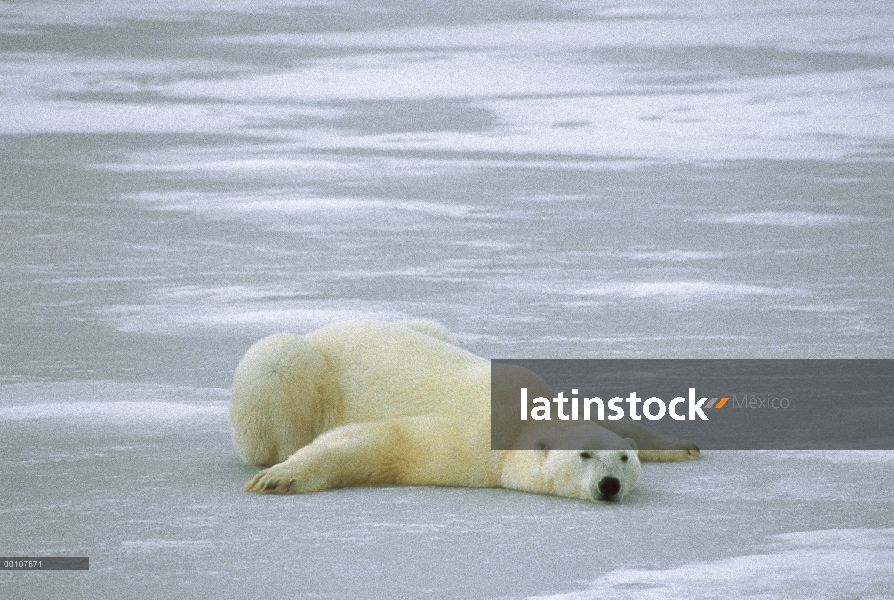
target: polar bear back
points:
(388, 370)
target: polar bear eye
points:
(624, 458)
(586, 455)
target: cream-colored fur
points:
(373, 403)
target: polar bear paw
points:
(272, 481)
(683, 451)
(294, 476)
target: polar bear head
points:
(588, 461)
(598, 475)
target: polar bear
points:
(376, 403)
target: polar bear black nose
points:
(609, 486)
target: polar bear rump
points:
(285, 392)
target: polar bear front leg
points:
(353, 455)
(653, 446)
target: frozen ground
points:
(150, 490)
(142, 478)
(549, 180)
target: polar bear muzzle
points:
(608, 488)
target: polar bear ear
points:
(631, 443)
(542, 444)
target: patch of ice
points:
(279, 205)
(835, 563)
(112, 412)
(176, 317)
(683, 289)
(669, 255)
(158, 544)
(786, 219)
(835, 456)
